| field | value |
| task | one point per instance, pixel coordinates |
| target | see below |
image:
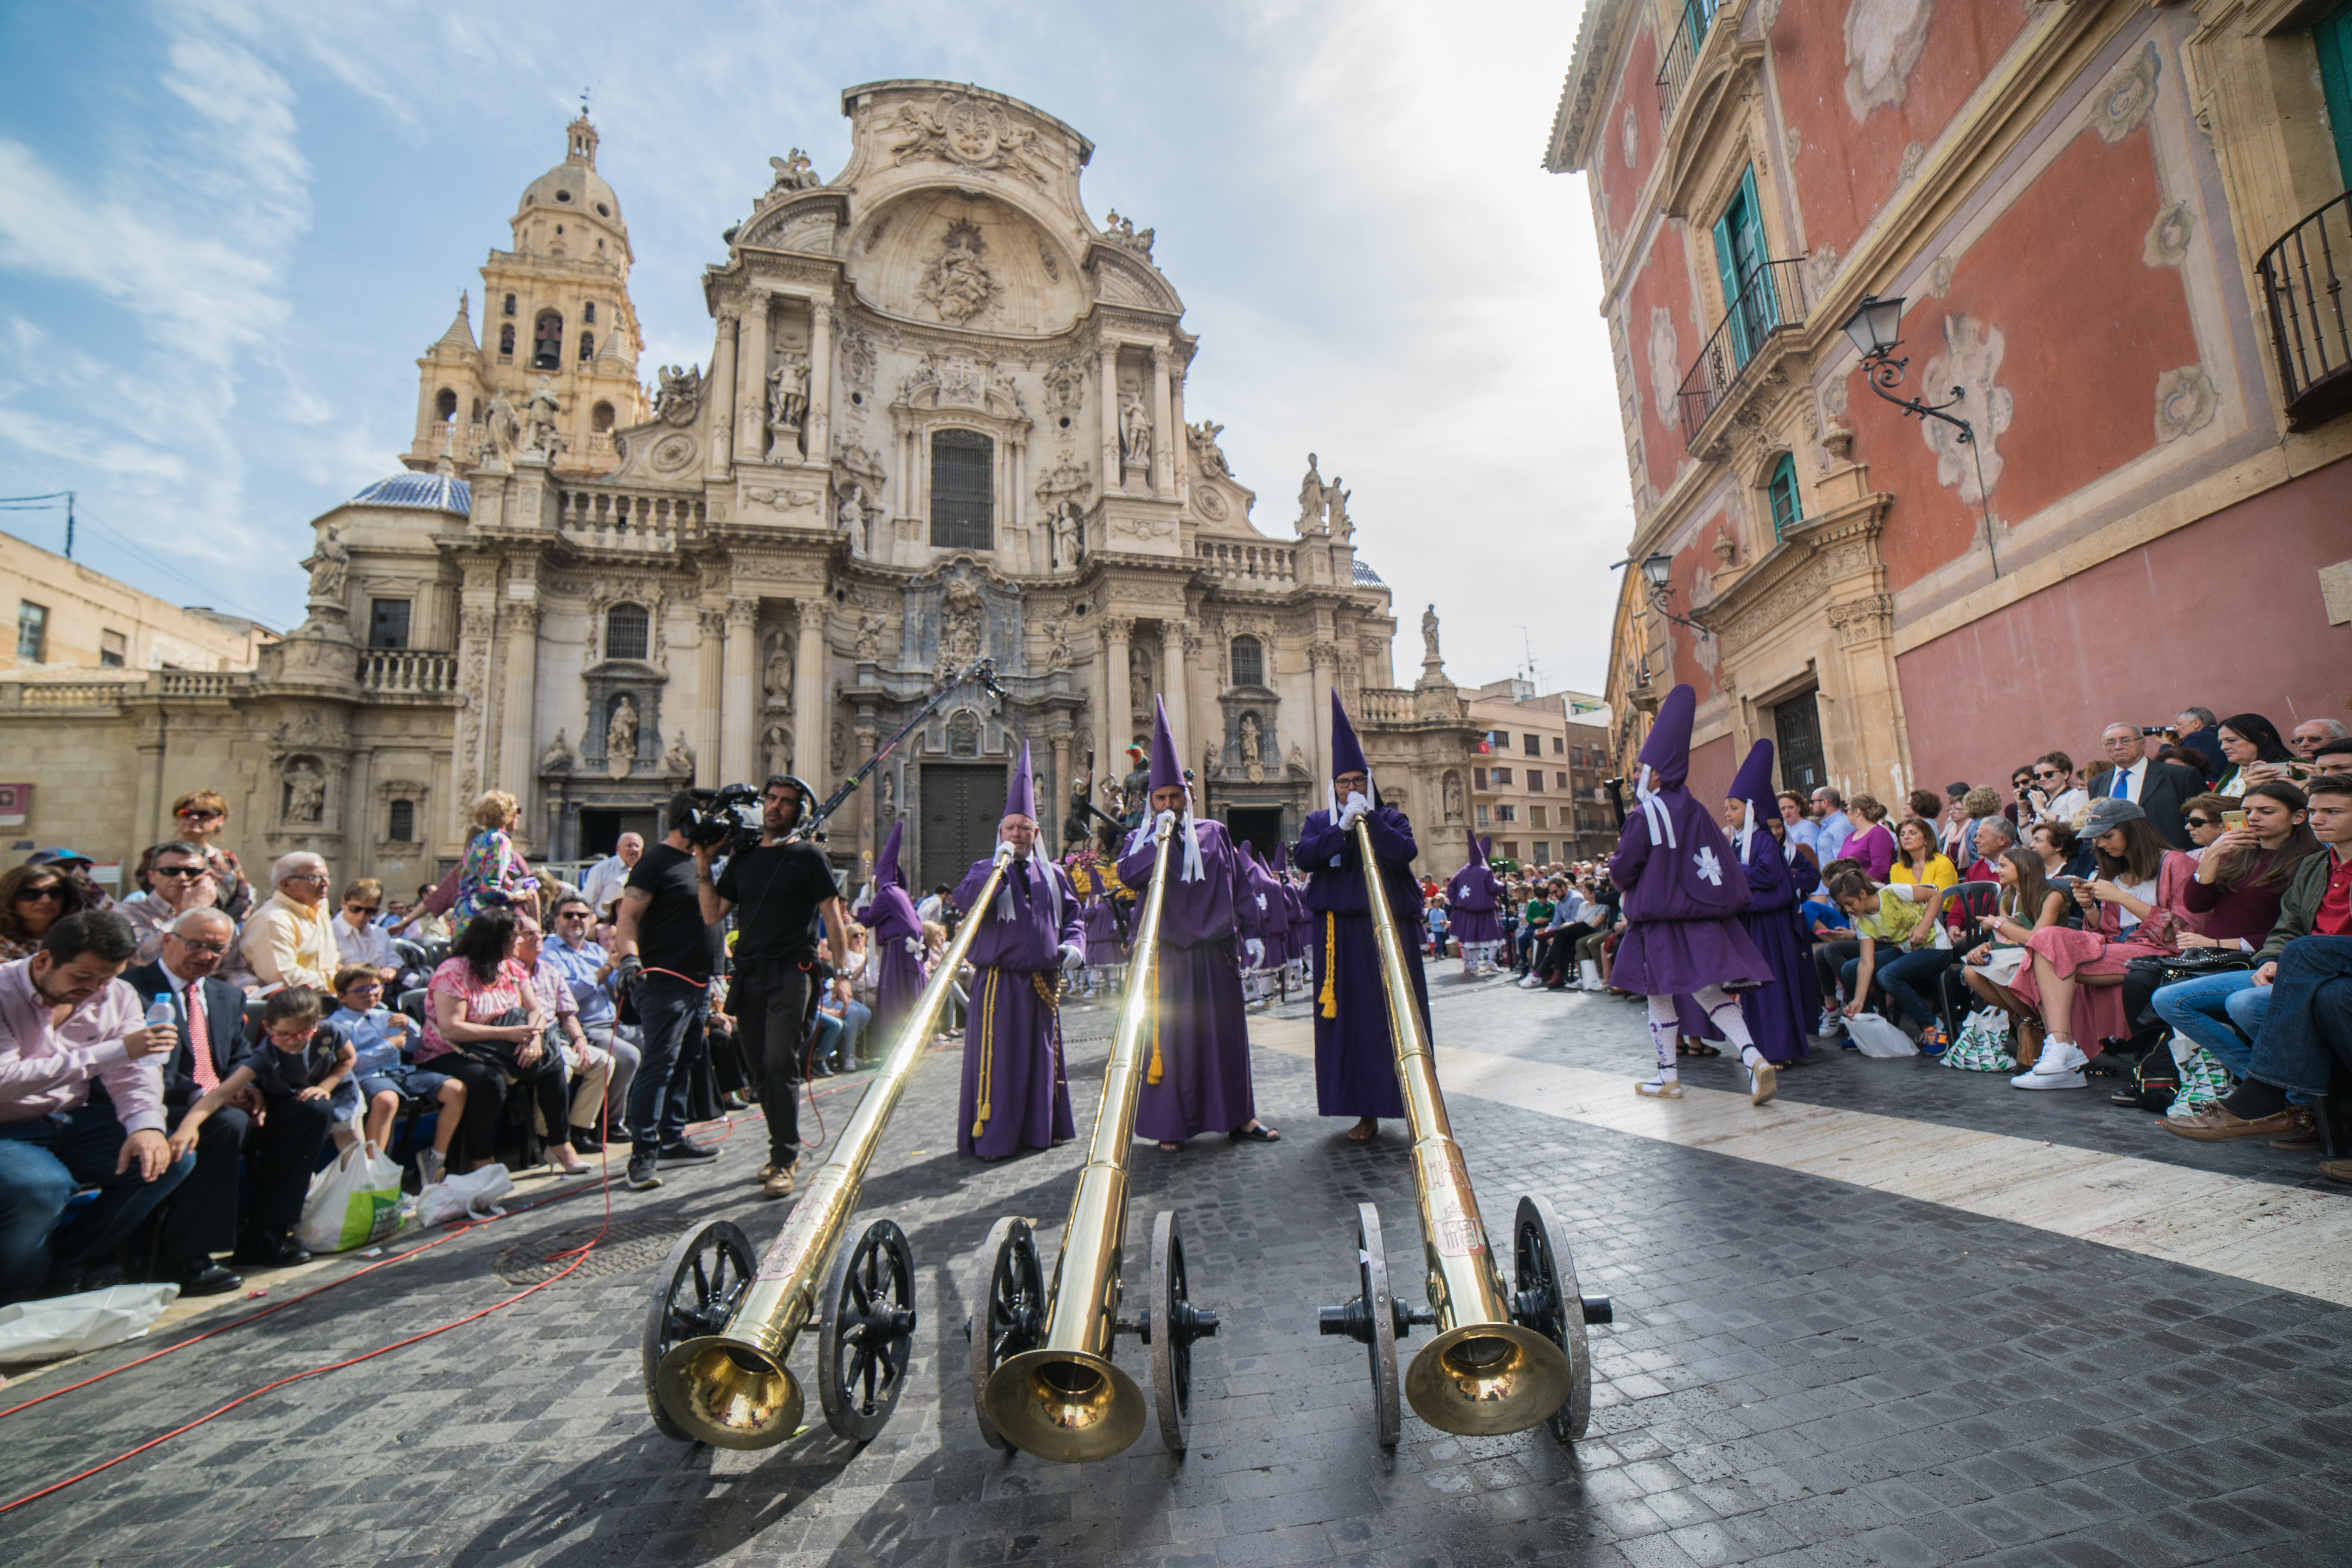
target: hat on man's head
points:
(2110, 812)
(1021, 800)
(60, 855)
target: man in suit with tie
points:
(200, 1218)
(2161, 789)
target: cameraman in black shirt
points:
(662, 950)
(779, 890)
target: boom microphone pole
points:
(811, 827)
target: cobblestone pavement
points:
(1802, 1372)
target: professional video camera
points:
(728, 818)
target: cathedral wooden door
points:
(962, 805)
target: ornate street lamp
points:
(1657, 571)
(1872, 331)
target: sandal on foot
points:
(1657, 1090)
(1254, 1135)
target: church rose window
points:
(963, 471)
(1249, 662)
(624, 632)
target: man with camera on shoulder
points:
(663, 951)
(778, 889)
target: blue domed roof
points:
(1367, 577)
(427, 492)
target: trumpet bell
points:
(1482, 1380)
(1065, 1405)
(728, 1393)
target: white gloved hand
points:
(1356, 806)
(1073, 956)
(1256, 951)
(914, 947)
(1166, 818)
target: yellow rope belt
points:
(1329, 998)
(986, 1002)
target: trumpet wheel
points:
(1012, 1315)
(1175, 1324)
(868, 1333)
(694, 1295)
(1545, 1300)
(1373, 1277)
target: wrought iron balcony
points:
(1673, 71)
(1771, 301)
(2303, 286)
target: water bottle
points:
(159, 1011)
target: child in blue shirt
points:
(377, 1035)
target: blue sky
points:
(228, 227)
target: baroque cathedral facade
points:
(944, 416)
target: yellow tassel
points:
(1153, 1073)
(1330, 964)
(987, 1001)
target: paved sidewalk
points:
(1804, 1370)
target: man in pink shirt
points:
(67, 1020)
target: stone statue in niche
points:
(1252, 737)
(851, 517)
(777, 682)
(329, 566)
(1134, 430)
(1296, 762)
(957, 283)
(1310, 500)
(558, 757)
(870, 627)
(1209, 760)
(1343, 527)
(1453, 798)
(539, 417)
(1057, 643)
(1429, 634)
(788, 391)
(678, 398)
(776, 745)
(960, 631)
(1067, 531)
(1138, 681)
(886, 803)
(678, 761)
(306, 793)
(621, 737)
(840, 753)
(502, 431)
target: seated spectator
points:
(603, 882)
(1925, 805)
(2161, 789)
(2332, 757)
(302, 1071)
(379, 1039)
(2310, 735)
(2055, 842)
(2020, 810)
(198, 817)
(840, 1032)
(1979, 805)
(2074, 978)
(585, 968)
(2250, 744)
(1824, 919)
(1894, 927)
(200, 1218)
(73, 866)
(2197, 730)
(484, 1019)
(2202, 817)
(2055, 796)
(1800, 823)
(182, 881)
(2306, 948)
(1993, 837)
(423, 924)
(290, 940)
(2181, 756)
(587, 1069)
(2027, 904)
(1835, 825)
(69, 1022)
(1916, 857)
(1874, 845)
(32, 899)
(358, 938)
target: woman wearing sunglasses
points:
(32, 899)
(198, 818)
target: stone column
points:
(738, 702)
(1113, 477)
(709, 673)
(517, 760)
(1323, 666)
(719, 391)
(147, 816)
(1172, 686)
(1164, 435)
(869, 829)
(818, 422)
(1181, 435)
(751, 378)
(809, 709)
(1118, 723)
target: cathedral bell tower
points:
(556, 308)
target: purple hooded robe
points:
(889, 914)
(1473, 896)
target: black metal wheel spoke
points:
(692, 1298)
(868, 1332)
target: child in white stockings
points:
(1722, 1010)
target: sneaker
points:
(431, 1169)
(1832, 1023)
(686, 1152)
(2060, 1067)
(1933, 1041)
(1763, 1082)
(1529, 983)
(1659, 1088)
(641, 1172)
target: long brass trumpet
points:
(1042, 1378)
(1502, 1360)
(716, 1346)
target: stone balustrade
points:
(1266, 567)
(184, 683)
(617, 521)
(408, 672)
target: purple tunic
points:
(1101, 923)
(1201, 1039)
(1355, 1055)
(897, 975)
(1471, 898)
(1780, 1014)
(1683, 899)
(1264, 913)
(1015, 1086)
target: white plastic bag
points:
(68, 1325)
(1876, 1036)
(473, 1195)
(355, 1201)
